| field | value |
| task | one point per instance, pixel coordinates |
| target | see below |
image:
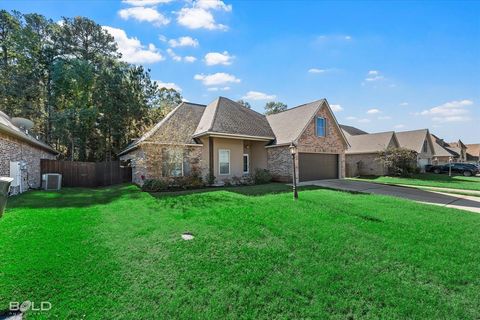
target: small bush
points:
(262, 176)
(155, 185)
(399, 161)
(227, 182)
(211, 179)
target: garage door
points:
(317, 166)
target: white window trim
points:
(229, 162)
(324, 126)
(248, 163)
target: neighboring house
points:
(229, 140)
(419, 141)
(473, 152)
(459, 148)
(20, 155)
(362, 158)
(442, 152)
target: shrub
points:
(399, 161)
(227, 182)
(262, 176)
(211, 179)
(155, 185)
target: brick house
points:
(229, 140)
(362, 156)
(16, 145)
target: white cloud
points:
(351, 118)
(315, 70)
(183, 42)
(141, 3)
(453, 111)
(177, 58)
(399, 126)
(216, 79)
(256, 95)
(214, 5)
(336, 107)
(198, 18)
(364, 120)
(373, 111)
(374, 75)
(214, 58)
(173, 55)
(168, 85)
(132, 49)
(333, 38)
(404, 104)
(218, 89)
(144, 14)
(384, 118)
(189, 59)
(199, 15)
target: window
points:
(246, 164)
(321, 125)
(425, 146)
(224, 161)
(172, 163)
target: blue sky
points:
(382, 65)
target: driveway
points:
(437, 198)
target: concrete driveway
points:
(437, 198)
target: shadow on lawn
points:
(432, 177)
(256, 190)
(73, 197)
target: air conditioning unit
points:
(52, 181)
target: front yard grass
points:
(117, 253)
(431, 180)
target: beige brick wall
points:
(279, 163)
(147, 160)
(13, 149)
(279, 159)
(364, 165)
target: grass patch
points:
(431, 180)
(117, 253)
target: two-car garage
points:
(317, 166)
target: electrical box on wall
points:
(18, 184)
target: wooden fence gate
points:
(87, 174)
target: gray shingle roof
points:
(289, 124)
(439, 149)
(226, 116)
(182, 121)
(370, 143)
(412, 140)
(473, 149)
(349, 130)
(8, 127)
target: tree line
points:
(68, 78)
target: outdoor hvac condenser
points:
(52, 181)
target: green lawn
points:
(432, 180)
(116, 253)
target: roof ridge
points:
(299, 106)
(196, 104)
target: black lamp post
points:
(450, 166)
(293, 151)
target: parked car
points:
(466, 169)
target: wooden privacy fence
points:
(87, 174)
